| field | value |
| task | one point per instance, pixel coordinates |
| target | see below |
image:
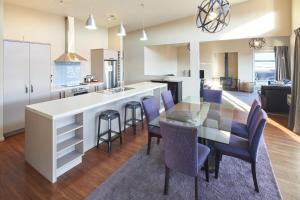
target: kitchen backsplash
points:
(67, 74)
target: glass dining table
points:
(212, 120)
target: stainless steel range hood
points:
(70, 56)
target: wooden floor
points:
(20, 181)
(284, 149)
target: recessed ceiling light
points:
(111, 18)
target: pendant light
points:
(122, 31)
(144, 34)
(257, 43)
(213, 15)
(90, 22)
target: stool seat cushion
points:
(133, 104)
(109, 114)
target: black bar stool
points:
(109, 115)
(133, 105)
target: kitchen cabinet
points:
(105, 66)
(26, 80)
(109, 54)
(39, 73)
(175, 86)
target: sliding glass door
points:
(264, 67)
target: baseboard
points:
(12, 133)
(2, 139)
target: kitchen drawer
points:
(110, 54)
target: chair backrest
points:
(151, 109)
(255, 108)
(167, 99)
(255, 132)
(213, 96)
(180, 148)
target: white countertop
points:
(59, 88)
(76, 104)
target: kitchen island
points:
(59, 132)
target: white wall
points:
(114, 41)
(160, 60)
(35, 26)
(1, 70)
(295, 15)
(183, 60)
(249, 19)
(245, 55)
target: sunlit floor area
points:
(284, 150)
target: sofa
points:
(274, 98)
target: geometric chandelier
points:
(213, 15)
(257, 43)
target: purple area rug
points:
(142, 178)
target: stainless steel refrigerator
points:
(110, 70)
(104, 67)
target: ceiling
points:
(129, 11)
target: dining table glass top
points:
(212, 120)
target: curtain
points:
(294, 118)
(282, 62)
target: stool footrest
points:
(106, 133)
(113, 138)
(134, 121)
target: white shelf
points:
(68, 143)
(68, 128)
(68, 158)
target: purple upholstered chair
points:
(183, 153)
(242, 148)
(242, 130)
(167, 99)
(151, 111)
(213, 96)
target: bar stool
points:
(133, 105)
(109, 115)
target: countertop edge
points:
(63, 88)
(76, 111)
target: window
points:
(264, 67)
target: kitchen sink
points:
(115, 90)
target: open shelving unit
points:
(69, 143)
(68, 128)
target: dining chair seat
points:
(237, 147)
(203, 152)
(154, 130)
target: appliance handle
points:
(31, 88)
(26, 88)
